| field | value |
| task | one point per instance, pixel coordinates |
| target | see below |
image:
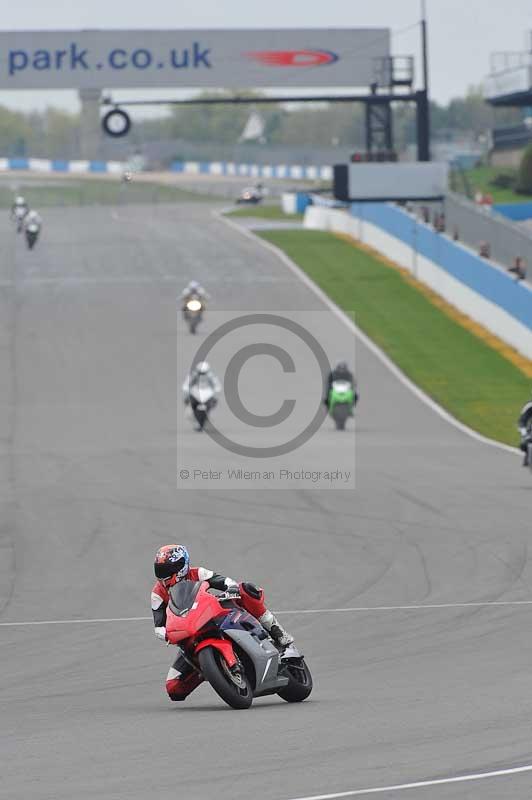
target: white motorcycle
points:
(18, 215)
(32, 231)
(193, 312)
(202, 400)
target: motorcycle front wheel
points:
(233, 689)
(299, 682)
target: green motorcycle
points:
(342, 400)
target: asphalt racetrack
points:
(438, 522)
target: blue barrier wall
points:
(255, 170)
(18, 163)
(203, 167)
(516, 211)
(491, 283)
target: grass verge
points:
(264, 212)
(481, 179)
(462, 373)
(95, 192)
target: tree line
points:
(55, 133)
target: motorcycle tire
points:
(529, 452)
(192, 325)
(201, 418)
(299, 682)
(216, 672)
(340, 415)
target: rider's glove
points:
(160, 633)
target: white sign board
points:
(191, 58)
(508, 82)
(390, 181)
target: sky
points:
(462, 33)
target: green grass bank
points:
(462, 373)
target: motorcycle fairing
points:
(265, 659)
(185, 616)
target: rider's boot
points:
(270, 623)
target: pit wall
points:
(475, 286)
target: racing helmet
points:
(172, 563)
(202, 367)
(342, 366)
(19, 200)
(193, 286)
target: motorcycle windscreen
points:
(183, 595)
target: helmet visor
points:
(170, 568)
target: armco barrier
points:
(478, 288)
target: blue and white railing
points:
(229, 168)
(60, 165)
(215, 168)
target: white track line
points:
(380, 354)
(475, 776)
(72, 621)
(351, 610)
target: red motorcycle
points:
(230, 648)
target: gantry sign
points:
(229, 59)
(320, 58)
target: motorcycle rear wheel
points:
(216, 672)
(299, 682)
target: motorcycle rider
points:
(172, 564)
(19, 208)
(524, 424)
(202, 373)
(341, 372)
(194, 289)
(33, 218)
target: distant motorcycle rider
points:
(194, 289)
(33, 218)
(201, 375)
(19, 208)
(172, 564)
(341, 372)
(524, 424)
